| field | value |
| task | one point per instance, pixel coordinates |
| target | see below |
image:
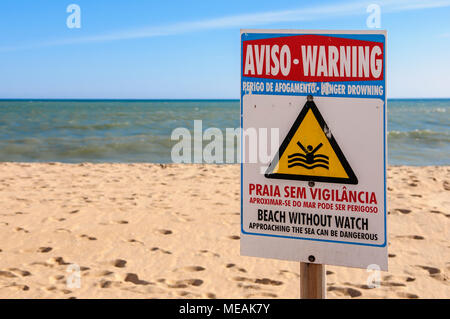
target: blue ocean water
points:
(76, 131)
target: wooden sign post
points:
(312, 281)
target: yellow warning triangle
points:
(310, 153)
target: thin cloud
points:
(241, 21)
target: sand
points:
(172, 231)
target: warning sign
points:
(310, 153)
(313, 121)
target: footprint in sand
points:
(234, 267)
(416, 237)
(39, 263)
(119, 263)
(134, 279)
(267, 281)
(135, 241)
(434, 272)
(187, 294)
(18, 229)
(57, 261)
(249, 286)
(345, 291)
(439, 212)
(191, 269)
(290, 274)
(56, 279)
(66, 292)
(108, 283)
(181, 283)
(387, 280)
(207, 253)
(261, 281)
(87, 237)
(20, 272)
(164, 231)
(392, 284)
(161, 250)
(407, 295)
(355, 286)
(104, 273)
(52, 219)
(44, 249)
(194, 282)
(7, 274)
(402, 210)
(18, 286)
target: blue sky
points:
(190, 49)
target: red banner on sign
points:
(313, 58)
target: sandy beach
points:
(172, 231)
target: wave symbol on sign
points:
(310, 159)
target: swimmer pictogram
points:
(310, 152)
(309, 159)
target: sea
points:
(130, 131)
